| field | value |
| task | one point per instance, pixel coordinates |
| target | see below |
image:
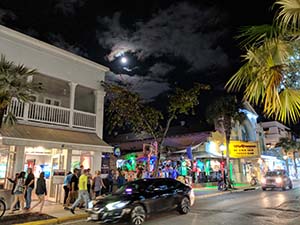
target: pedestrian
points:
(110, 178)
(14, 182)
(83, 192)
(40, 191)
(29, 183)
(90, 179)
(66, 186)
(220, 180)
(19, 191)
(81, 168)
(98, 183)
(73, 187)
(121, 179)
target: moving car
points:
(276, 179)
(136, 200)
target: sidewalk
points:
(212, 190)
(55, 214)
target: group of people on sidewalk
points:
(23, 185)
(80, 186)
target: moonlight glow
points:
(123, 60)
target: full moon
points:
(124, 60)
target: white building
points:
(62, 127)
(273, 131)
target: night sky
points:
(168, 43)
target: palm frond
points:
(256, 35)
(288, 17)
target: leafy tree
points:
(223, 112)
(270, 74)
(127, 109)
(14, 84)
(288, 145)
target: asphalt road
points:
(244, 208)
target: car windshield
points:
(275, 173)
(132, 187)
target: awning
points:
(26, 135)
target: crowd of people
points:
(22, 191)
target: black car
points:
(136, 200)
(276, 179)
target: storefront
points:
(53, 157)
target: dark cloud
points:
(58, 41)
(6, 15)
(182, 31)
(147, 88)
(68, 7)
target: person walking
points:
(110, 178)
(19, 191)
(29, 183)
(67, 182)
(121, 179)
(14, 182)
(98, 183)
(83, 191)
(40, 191)
(73, 187)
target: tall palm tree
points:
(14, 84)
(223, 112)
(270, 74)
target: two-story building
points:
(273, 131)
(62, 127)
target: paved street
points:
(247, 208)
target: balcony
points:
(54, 115)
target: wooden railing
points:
(44, 113)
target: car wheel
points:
(291, 186)
(264, 188)
(137, 215)
(283, 187)
(184, 206)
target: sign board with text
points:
(243, 149)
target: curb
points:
(226, 192)
(56, 220)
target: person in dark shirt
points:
(73, 187)
(29, 184)
(14, 182)
(40, 191)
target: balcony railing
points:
(49, 114)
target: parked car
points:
(136, 200)
(276, 179)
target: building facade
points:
(62, 127)
(273, 131)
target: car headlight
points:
(116, 205)
(263, 180)
(278, 180)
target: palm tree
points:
(14, 84)
(223, 112)
(288, 145)
(270, 74)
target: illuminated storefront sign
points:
(243, 149)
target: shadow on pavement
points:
(23, 218)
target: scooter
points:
(253, 181)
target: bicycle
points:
(2, 207)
